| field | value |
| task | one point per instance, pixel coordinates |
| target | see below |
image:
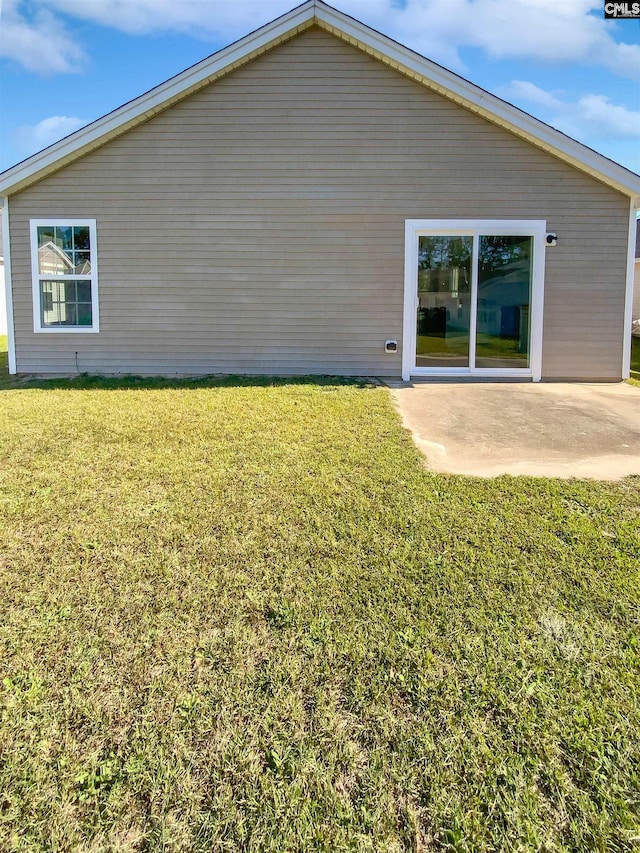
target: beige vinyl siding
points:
(636, 291)
(258, 226)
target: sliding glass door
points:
(473, 296)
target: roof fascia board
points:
(477, 100)
(156, 100)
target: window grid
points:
(66, 302)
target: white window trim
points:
(475, 228)
(93, 276)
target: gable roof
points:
(391, 53)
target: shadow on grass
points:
(88, 382)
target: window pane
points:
(81, 237)
(82, 263)
(45, 234)
(65, 303)
(84, 291)
(84, 314)
(64, 237)
(444, 301)
(504, 288)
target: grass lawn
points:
(4, 360)
(635, 360)
(244, 617)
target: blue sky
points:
(64, 63)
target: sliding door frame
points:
(476, 228)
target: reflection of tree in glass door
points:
(444, 301)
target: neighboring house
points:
(317, 198)
(636, 283)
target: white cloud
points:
(541, 30)
(521, 90)
(41, 43)
(611, 119)
(590, 116)
(204, 17)
(32, 138)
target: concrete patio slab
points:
(544, 429)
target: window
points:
(65, 283)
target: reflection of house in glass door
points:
(473, 298)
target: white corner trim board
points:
(628, 297)
(7, 286)
(406, 61)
